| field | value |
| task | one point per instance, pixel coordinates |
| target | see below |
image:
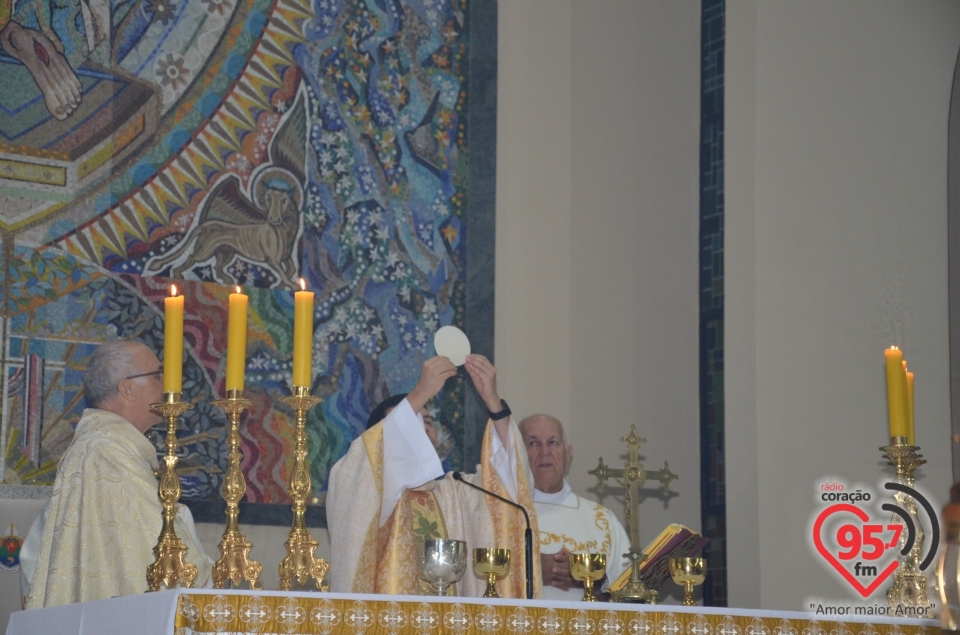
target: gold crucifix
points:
(631, 478)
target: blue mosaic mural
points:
(245, 142)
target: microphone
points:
(527, 536)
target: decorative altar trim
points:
(267, 613)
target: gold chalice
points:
(493, 563)
(588, 567)
(689, 572)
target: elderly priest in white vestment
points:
(384, 496)
(95, 538)
(568, 522)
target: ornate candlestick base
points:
(909, 583)
(909, 589)
(301, 562)
(169, 568)
(234, 564)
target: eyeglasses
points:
(156, 373)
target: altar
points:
(189, 612)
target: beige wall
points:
(836, 129)
(597, 199)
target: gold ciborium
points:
(588, 567)
(493, 563)
(688, 572)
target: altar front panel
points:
(188, 612)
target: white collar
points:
(556, 498)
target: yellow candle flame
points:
(173, 290)
(238, 288)
(303, 285)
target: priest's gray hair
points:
(107, 366)
(563, 433)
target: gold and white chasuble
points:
(579, 525)
(104, 517)
(382, 500)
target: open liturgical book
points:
(676, 541)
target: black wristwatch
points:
(503, 414)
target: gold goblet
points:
(689, 572)
(588, 567)
(493, 563)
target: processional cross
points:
(631, 478)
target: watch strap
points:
(503, 414)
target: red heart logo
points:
(829, 557)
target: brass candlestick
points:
(169, 568)
(301, 562)
(234, 563)
(909, 584)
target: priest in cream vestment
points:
(104, 517)
(568, 523)
(383, 496)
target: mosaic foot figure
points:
(49, 68)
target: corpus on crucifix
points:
(631, 478)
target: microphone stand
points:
(527, 536)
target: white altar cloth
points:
(264, 612)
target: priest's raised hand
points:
(433, 375)
(484, 377)
(384, 495)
